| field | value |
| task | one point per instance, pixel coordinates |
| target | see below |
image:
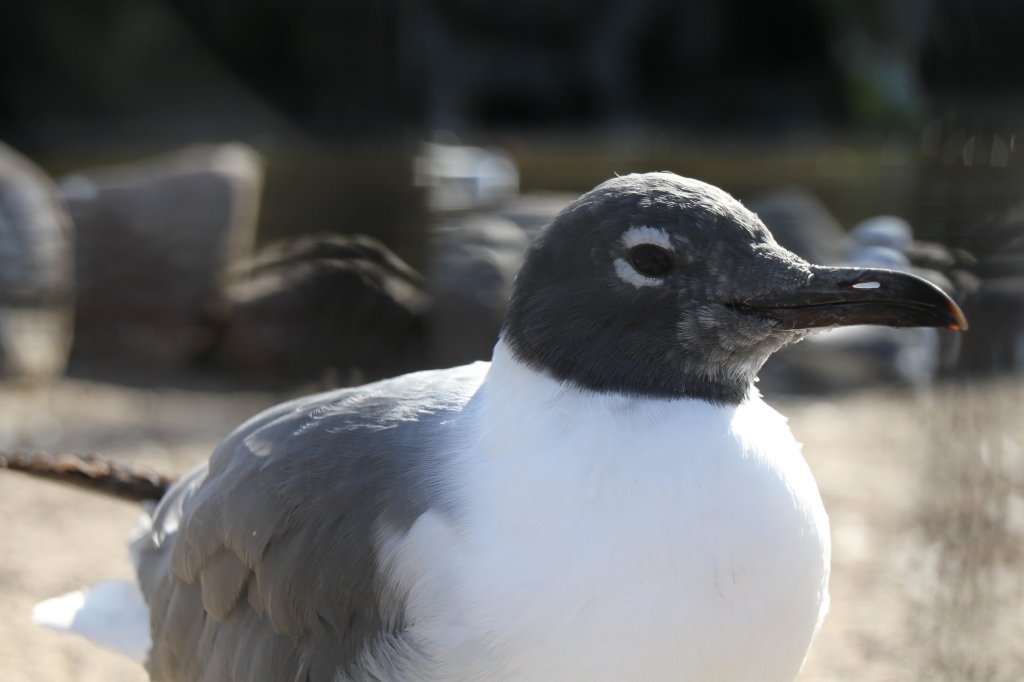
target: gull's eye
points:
(650, 260)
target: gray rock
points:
(461, 178)
(475, 262)
(533, 211)
(36, 278)
(801, 223)
(476, 257)
(886, 231)
(154, 241)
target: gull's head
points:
(657, 285)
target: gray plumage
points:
(261, 564)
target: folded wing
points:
(261, 564)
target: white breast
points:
(606, 538)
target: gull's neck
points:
(513, 386)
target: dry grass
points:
(926, 495)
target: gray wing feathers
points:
(223, 582)
(262, 564)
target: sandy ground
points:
(925, 493)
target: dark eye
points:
(650, 260)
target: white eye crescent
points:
(649, 258)
(644, 234)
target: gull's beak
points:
(847, 296)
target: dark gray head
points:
(657, 285)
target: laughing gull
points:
(607, 499)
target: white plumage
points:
(685, 535)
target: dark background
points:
(869, 102)
(157, 70)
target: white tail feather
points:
(111, 613)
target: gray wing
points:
(261, 564)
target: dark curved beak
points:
(848, 296)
